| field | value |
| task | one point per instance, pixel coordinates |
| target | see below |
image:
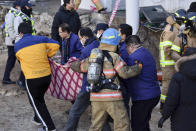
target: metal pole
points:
(132, 14)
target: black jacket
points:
(180, 104)
(65, 16)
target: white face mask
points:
(83, 41)
(98, 35)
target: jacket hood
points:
(186, 65)
(171, 21)
(108, 47)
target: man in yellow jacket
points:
(167, 38)
(33, 53)
(109, 101)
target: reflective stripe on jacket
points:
(166, 41)
(10, 26)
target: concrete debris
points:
(43, 24)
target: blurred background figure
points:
(180, 104)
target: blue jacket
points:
(144, 86)
(85, 53)
(123, 51)
(70, 47)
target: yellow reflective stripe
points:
(192, 18)
(164, 62)
(163, 97)
(167, 62)
(162, 54)
(111, 37)
(175, 48)
(15, 14)
(166, 43)
(177, 14)
(119, 34)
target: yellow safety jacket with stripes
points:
(166, 42)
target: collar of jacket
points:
(89, 41)
(63, 9)
(183, 60)
(108, 47)
(25, 35)
(14, 9)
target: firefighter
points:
(96, 2)
(166, 41)
(185, 39)
(108, 101)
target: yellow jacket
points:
(33, 53)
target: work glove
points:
(161, 121)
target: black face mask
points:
(28, 12)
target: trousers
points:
(10, 63)
(141, 111)
(36, 88)
(80, 105)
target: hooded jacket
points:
(65, 16)
(180, 103)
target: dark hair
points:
(132, 39)
(126, 29)
(25, 28)
(190, 51)
(65, 27)
(66, 2)
(86, 31)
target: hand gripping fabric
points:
(65, 83)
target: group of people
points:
(128, 69)
(177, 51)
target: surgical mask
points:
(98, 35)
(83, 41)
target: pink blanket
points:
(65, 83)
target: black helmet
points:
(180, 16)
(192, 16)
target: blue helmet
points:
(111, 37)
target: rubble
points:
(43, 24)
